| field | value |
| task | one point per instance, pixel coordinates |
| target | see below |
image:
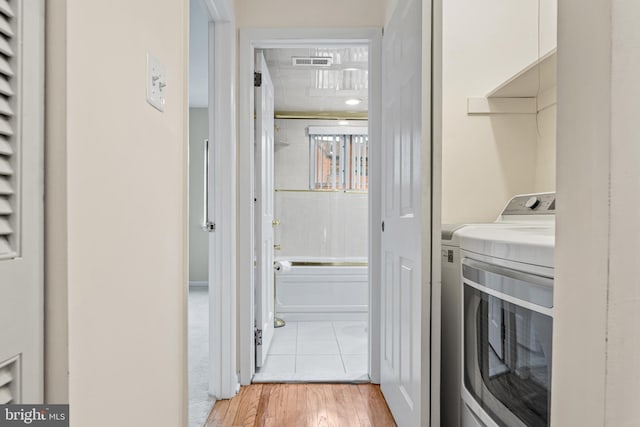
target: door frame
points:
(251, 39)
(223, 379)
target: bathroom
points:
(320, 219)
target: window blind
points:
(327, 162)
(338, 161)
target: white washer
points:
(507, 315)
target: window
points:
(339, 161)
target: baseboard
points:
(323, 316)
(198, 283)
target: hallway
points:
(296, 405)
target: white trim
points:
(223, 380)
(198, 283)
(547, 98)
(435, 38)
(341, 316)
(219, 10)
(501, 106)
(375, 203)
(292, 37)
(337, 130)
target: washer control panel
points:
(531, 204)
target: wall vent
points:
(10, 381)
(312, 61)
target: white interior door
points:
(264, 209)
(21, 205)
(404, 219)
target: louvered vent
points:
(8, 150)
(312, 61)
(9, 384)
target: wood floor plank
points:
(323, 415)
(277, 403)
(361, 409)
(298, 405)
(262, 413)
(289, 401)
(234, 404)
(312, 406)
(332, 406)
(218, 413)
(347, 415)
(377, 407)
(248, 407)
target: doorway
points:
(200, 401)
(212, 364)
(312, 213)
(399, 346)
(308, 44)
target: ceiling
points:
(298, 89)
(310, 89)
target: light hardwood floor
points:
(294, 405)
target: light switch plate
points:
(156, 82)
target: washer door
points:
(507, 357)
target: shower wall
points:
(317, 224)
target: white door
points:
(21, 203)
(264, 209)
(405, 295)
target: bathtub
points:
(323, 289)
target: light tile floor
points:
(317, 351)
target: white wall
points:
(314, 224)
(198, 239)
(488, 159)
(596, 305)
(316, 14)
(623, 344)
(124, 172)
(545, 172)
(56, 248)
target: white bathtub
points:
(323, 289)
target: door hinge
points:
(258, 336)
(257, 79)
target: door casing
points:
(223, 380)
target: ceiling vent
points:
(312, 61)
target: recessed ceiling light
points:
(353, 101)
(343, 122)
